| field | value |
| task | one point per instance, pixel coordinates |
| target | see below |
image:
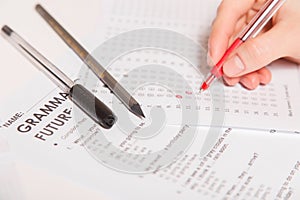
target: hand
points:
(279, 39)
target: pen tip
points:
(136, 109)
(7, 30)
(204, 86)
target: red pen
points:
(250, 31)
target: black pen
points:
(84, 99)
(117, 89)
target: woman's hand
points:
(279, 39)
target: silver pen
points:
(84, 99)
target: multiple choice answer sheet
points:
(158, 53)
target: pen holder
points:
(92, 106)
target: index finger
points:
(228, 14)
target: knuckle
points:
(255, 53)
(220, 7)
(224, 6)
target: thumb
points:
(256, 53)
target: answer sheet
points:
(226, 143)
(159, 54)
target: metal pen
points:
(118, 90)
(84, 99)
(250, 31)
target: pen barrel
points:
(92, 106)
(261, 19)
(38, 60)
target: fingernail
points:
(234, 66)
(247, 83)
(225, 81)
